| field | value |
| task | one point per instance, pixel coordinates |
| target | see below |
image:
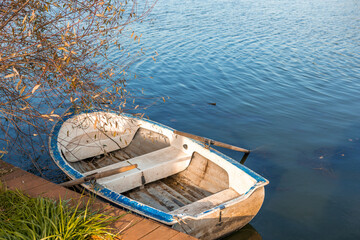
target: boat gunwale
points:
(129, 203)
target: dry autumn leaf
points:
(35, 88)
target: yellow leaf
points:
(16, 72)
(18, 85)
(22, 90)
(163, 99)
(136, 106)
(61, 48)
(24, 98)
(24, 19)
(33, 15)
(35, 88)
(132, 35)
(9, 76)
(100, 15)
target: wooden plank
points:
(121, 155)
(98, 175)
(12, 174)
(208, 202)
(127, 221)
(165, 197)
(5, 166)
(143, 196)
(175, 194)
(161, 233)
(182, 236)
(53, 191)
(167, 194)
(188, 190)
(25, 182)
(141, 229)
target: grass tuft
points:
(22, 217)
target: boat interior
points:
(166, 178)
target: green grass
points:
(22, 217)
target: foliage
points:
(22, 217)
(55, 53)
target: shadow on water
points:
(248, 232)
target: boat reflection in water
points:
(248, 232)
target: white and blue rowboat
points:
(178, 181)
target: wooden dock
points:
(130, 226)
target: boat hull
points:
(224, 221)
(178, 181)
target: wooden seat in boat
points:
(151, 167)
(144, 142)
(207, 202)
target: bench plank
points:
(152, 166)
(207, 203)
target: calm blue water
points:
(285, 77)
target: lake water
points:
(285, 77)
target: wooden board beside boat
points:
(177, 180)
